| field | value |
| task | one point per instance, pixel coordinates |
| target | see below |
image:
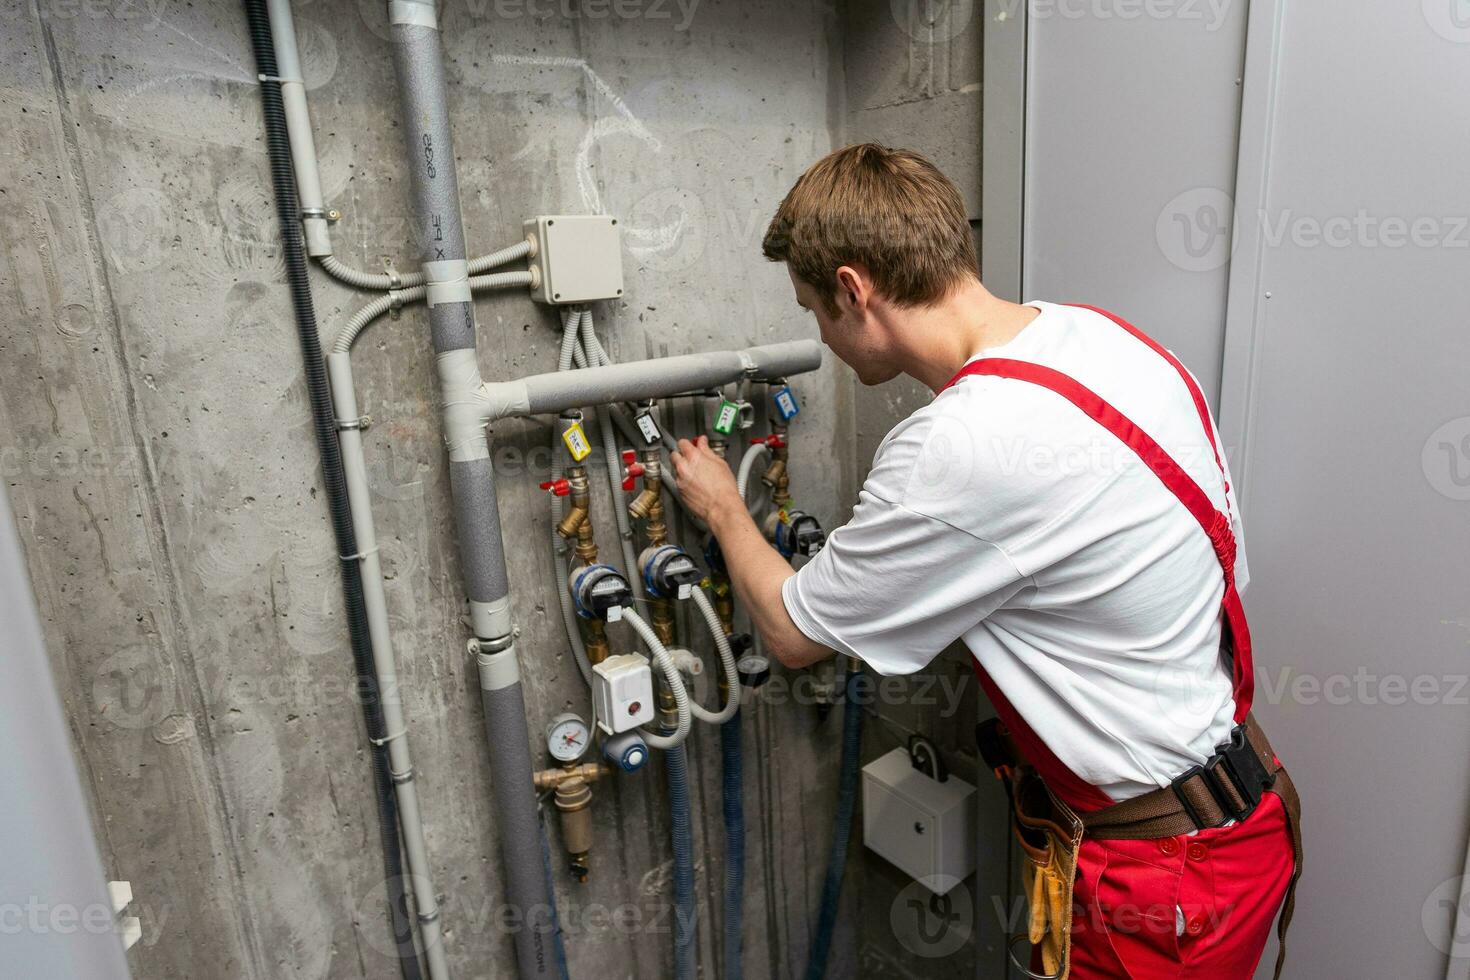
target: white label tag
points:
(649, 428)
(576, 441)
(725, 418)
(614, 614)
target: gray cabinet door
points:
(1346, 407)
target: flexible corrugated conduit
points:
(334, 481)
(408, 280)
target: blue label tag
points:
(786, 403)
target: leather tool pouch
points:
(1050, 835)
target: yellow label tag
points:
(576, 441)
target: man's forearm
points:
(757, 572)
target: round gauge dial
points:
(754, 669)
(567, 738)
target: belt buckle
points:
(1243, 767)
(1177, 787)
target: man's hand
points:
(757, 571)
(706, 483)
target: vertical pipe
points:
(426, 904)
(298, 126)
(847, 786)
(419, 63)
(283, 182)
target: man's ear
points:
(854, 287)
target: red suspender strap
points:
(1215, 523)
(1194, 391)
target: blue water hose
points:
(730, 758)
(676, 765)
(558, 942)
(847, 785)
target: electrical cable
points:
(334, 480)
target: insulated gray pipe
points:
(543, 394)
(419, 62)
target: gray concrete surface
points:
(154, 446)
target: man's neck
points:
(938, 340)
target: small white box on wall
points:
(922, 826)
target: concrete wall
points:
(912, 78)
(165, 483)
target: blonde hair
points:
(889, 210)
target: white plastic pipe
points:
(727, 664)
(298, 129)
(748, 462)
(665, 664)
(344, 404)
(360, 320)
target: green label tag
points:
(725, 418)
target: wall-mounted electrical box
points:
(923, 826)
(622, 692)
(579, 257)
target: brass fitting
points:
(774, 473)
(780, 480)
(573, 800)
(644, 503)
(578, 514)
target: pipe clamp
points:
(417, 13)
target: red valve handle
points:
(631, 473)
(772, 441)
(629, 456)
(557, 488)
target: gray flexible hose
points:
(559, 564)
(665, 664)
(401, 297)
(727, 665)
(595, 354)
(381, 280)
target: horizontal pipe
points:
(543, 394)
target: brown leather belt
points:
(1226, 788)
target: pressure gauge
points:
(567, 737)
(754, 669)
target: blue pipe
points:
(676, 765)
(730, 757)
(559, 945)
(852, 738)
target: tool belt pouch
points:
(1050, 835)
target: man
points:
(1062, 508)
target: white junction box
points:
(579, 257)
(924, 827)
(622, 692)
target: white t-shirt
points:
(1002, 515)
